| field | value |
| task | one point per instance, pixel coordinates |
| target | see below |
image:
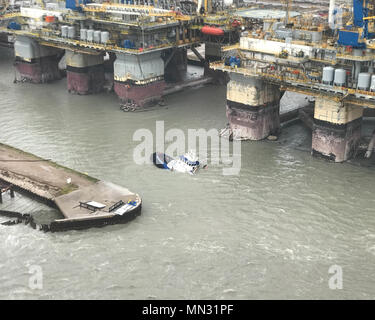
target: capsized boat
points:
(187, 163)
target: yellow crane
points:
(41, 3)
(3, 6)
(288, 5)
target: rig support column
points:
(36, 63)
(139, 78)
(337, 129)
(84, 72)
(253, 107)
(177, 66)
(108, 71)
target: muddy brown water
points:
(272, 231)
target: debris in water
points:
(272, 138)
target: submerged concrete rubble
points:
(82, 200)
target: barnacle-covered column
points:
(337, 129)
(253, 107)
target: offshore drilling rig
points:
(140, 42)
(331, 59)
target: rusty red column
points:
(36, 63)
(139, 78)
(84, 72)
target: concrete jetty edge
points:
(66, 190)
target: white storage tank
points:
(316, 36)
(266, 25)
(64, 31)
(83, 34)
(242, 42)
(372, 87)
(364, 79)
(284, 33)
(340, 78)
(97, 34)
(90, 35)
(358, 52)
(277, 25)
(104, 37)
(50, 6)
(71, 32)
(328, 74)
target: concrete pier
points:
(253, 107)
(337, 129)
(36, 63)
(85, 72)
(67, 190)
(139, 78)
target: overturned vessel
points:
(187, 163)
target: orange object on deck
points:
(50, 18)
(212, 31)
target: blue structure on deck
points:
(128, 44)
(14, 25)
(75, 4)
(350, 38)
(360, 11)
(355, 35)
(233, 61)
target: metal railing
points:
(358, 97)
